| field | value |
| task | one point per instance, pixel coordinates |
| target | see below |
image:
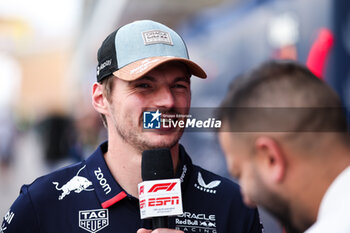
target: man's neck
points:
(124, 162)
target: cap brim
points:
(141, 67)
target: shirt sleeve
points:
(21, 217)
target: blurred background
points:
(48, 61)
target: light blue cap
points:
(139, 47)
(146, 38)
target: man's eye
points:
(180, 86)
(143, 85)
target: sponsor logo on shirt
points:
(183, 174)
(103, 182)
(93, 220)
(209, 188)
(76, 184)
(192, 222)
(7, 220)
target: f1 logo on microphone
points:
(164, 186)
(151, 120)
(160, 198)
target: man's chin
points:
(159, 135)
(161, 142)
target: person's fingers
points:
(159, 230)
(164, 230)
(143, 230)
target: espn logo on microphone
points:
(160, 198)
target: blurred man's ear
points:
(99, 101)
(271, 159)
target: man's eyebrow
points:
(184, 79)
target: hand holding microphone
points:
(159, 230)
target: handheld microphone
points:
(159, 193)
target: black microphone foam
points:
(157, 164)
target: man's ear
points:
(271, 158)
(99, 101)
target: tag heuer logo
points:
(93, 220)
(156, 37)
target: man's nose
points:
(164, 98)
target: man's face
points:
(240, 165)
(167, 88)
(243, 164)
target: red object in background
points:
(319, 52)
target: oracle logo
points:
(164, 186)
(164, 201)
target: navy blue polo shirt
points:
(85, 197)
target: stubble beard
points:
(275, 205)
(280, 209)
(138, 139)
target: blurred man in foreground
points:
(285, 139)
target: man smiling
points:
(142, 66)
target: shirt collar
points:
(185, 167)
(336, 194)
(334, 204)
(108, 191)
